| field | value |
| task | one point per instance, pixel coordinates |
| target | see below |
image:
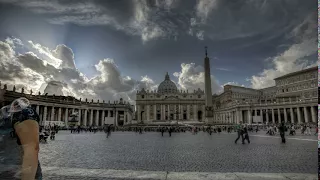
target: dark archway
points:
(199, 115)
(141, 115)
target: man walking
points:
(282, 130)
(246, 135)
(239, 131)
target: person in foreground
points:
(24, 121)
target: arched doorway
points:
(141, 115)
(199, 115)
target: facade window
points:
(111, 113)
(142, 96)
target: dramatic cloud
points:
(191, 77)
(295, 58)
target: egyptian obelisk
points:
(208, 91)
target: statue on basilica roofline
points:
(5, 86)
(86, 100)
(22, 90)
(31, 91)
(14, 88)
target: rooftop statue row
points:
(143, 91)
(64, 98)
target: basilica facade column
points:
(203, 112)
(194, 112)
(148, 112)
(180, 112)
(267, 116)
(138, 113)
(279, 116)
(155, 112)
(188, 112)
(52, 113)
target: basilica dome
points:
(167, 86)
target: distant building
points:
(293, 99)
(58, 109)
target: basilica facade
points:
(293, 99)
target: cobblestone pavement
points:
(180, 153)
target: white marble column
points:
(148, 112)
(116, 113)
(285, 115)
(103, 115)
(97, 118)
(306, 115)
(195, 112)
(291, 115)
(85, 117)
(154, 112)
(37, 109)
(203, 112)
(313, 114)
(188, 112)
(91, 117)
(279, 116)
(52, 114)
(79, 113)
(44, 115)
(267, 116)
(138, 113)
(66, 115)
(299, 115)
(59, 114)
(273, 119)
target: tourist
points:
(282, 129)
(308, 129)
(239, 132)
(245, 134)
(25, 122)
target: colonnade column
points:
(267, 116)
(306, 115)
(79, 112)
(97, 118)
(85, 117)
(279, 116)
(194, 112)
(291, 115)
(44, 115)
(37, 109)
(66, 117)
(91, 117)
(59, 114)
(103, 115)
(313, 114)
(116, 113)
(52, 114)
(285, 115)
(299, 115)
(273, 120)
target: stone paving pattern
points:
(181, 152)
